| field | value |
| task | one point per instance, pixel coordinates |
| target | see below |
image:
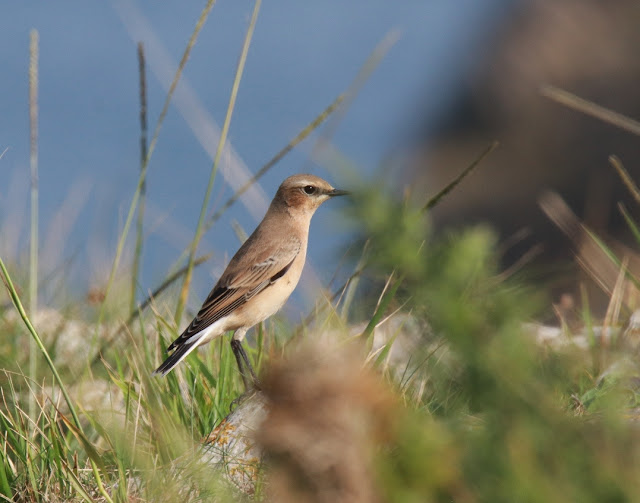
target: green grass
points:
(483, 413)
(475, 410)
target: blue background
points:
(302, 56)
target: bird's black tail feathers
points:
(176, 357)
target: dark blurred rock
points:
(587, 47)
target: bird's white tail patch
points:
(182, 351)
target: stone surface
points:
(231, 448)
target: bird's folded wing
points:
(236, 287)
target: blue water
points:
(302, 56)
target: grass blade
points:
(214, 168)
(388, 295)
(630, 223)
(76, 420)
(625, 177)
(454, 183)
(364, 73)
(137, 256)
(589, 108)
(33, 252)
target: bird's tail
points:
(176, 357)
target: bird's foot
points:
(239, 400)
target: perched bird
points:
(260, 276)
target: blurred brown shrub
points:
(326, 417)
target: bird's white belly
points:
(214, 330)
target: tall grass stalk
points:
(137, 255)
(33, 252)
(143, 172)
(214, 168)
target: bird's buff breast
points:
(272, 298)
(269, 301)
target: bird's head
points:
(303, 194)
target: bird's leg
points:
(236, 353)
(256, 382)
(243, 365)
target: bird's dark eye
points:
(309, 189)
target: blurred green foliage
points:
(498, 422)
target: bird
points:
(261, 275)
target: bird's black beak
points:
(338, 192)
